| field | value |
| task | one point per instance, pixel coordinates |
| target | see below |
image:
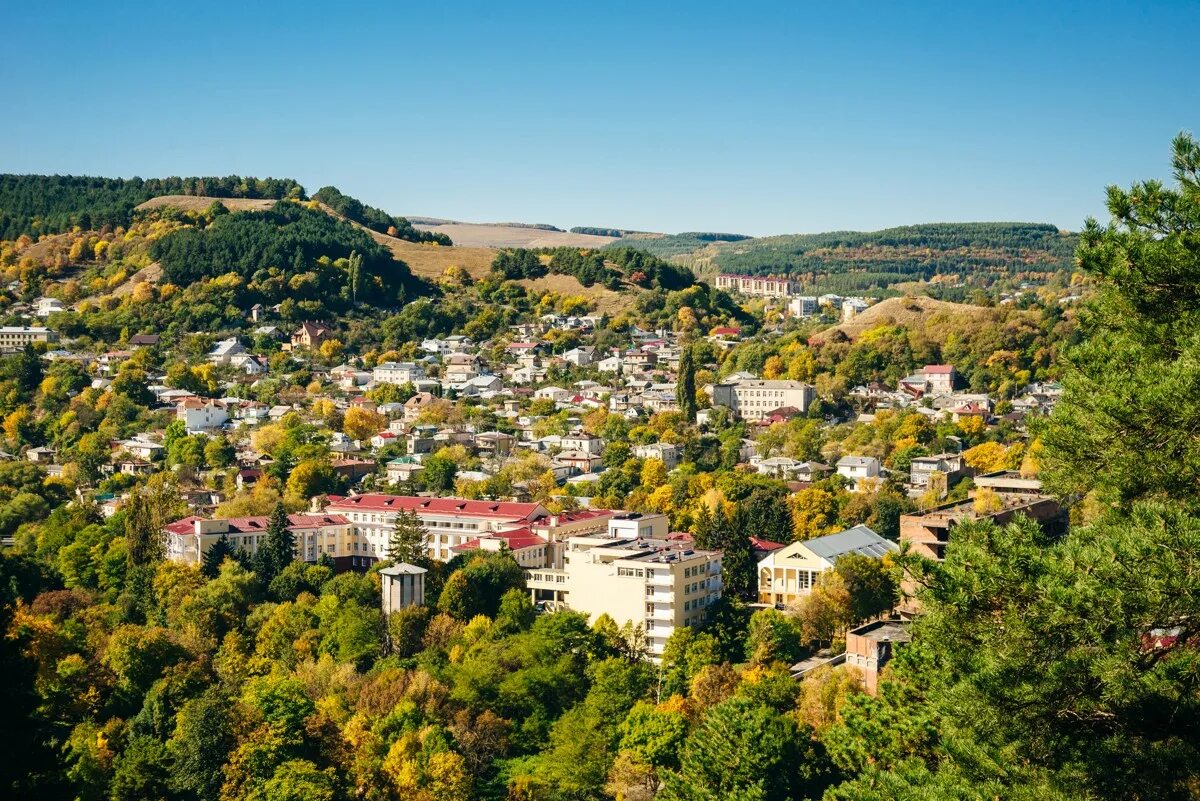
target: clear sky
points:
(742, 117)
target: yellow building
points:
(788, 574)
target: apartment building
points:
(755, 399)
(398, 373)
(760, 285)
(187, 540)
(14, 338)
(803, 306)
(634, 573)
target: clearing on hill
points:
(512, 236)
(202, 202)
(911, 312)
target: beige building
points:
(189, 539)
(755, 399)
(788, 574)
(760, 285)
(633, 573)
(15, 337)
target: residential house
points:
(859, 469)
(666, 452)
(311, 335)
(200, 415)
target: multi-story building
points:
(755, 399)
(788, 574)
(922, 467)
(941, 377)
(198, 414)
(762, 285)
(450, 522)
(871, 646)
(398, 373)
(633, 573)
(187, 540)
(929, 533)
(803, 306)
(15, 337)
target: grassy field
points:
(915, 312)
(200, 203)
(510, 236)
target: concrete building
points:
(14, 338)
(187, 540)
(785, 575)
(870, 647)
(803, 306)
(858, 469)
(398, 373)
(403, 585)
(941, 377)
(929, 533)
(755, 399)
(665, 452)
(921, 467)
(201, 415)
(450, 522)
(633, 573)
(759, 285)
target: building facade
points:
(14, 338)
(755, 399)
(760, 285)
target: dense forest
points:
(674, 244)
(376, 219)
(292, 241)
(50, 204)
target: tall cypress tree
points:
(685, 387)
(409, 540)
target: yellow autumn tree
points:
(363, 423)
(986, 457)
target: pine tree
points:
(216, 556)
(737, 557)
(685, 388)
(409, 540)
(279, 550)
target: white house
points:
(858, 469)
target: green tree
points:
(685, 387)
(748, 752)
(279, 549)
(409, 541)
(215, 556)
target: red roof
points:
(444, 506)
(759, 544)
(249, 525)
(516, 540)
(938, 369)
(726, 331)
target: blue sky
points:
(743, 117)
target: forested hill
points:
(33, 205)
(863, 261)
(50, 204)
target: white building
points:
(189, 539)
(755, 399)
(803, 306)
(398, 373)
(858, 469)
(633, 573)
(667, 453)
(44, 307)
(201, 415)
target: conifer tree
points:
(409, 540)
(685, 388)
(216, 556)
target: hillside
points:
(502, 235)
(201, 202)
(915, 312)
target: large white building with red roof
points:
(451, 523)
(187, 540)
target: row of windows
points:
(629, 571)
